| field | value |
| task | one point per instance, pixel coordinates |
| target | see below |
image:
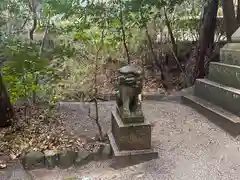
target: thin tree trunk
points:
(206, 38)
(32, 7)
(123, 33)
(174, 45)
(152, 51)
(230, 21)
(96, 88)
(6, 109)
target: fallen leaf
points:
(13, 156)
(3, 164)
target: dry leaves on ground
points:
(3, 164)
(38, 129)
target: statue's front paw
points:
(126, 112)
(139, 112)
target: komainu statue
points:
(129, 94)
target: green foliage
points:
(84, 21)
(21, 69)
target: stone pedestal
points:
(135, 136)
(131, 139)
(130, 136)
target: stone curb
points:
(112, 97)
(155, 96)
(64, 159)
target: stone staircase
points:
(218, 95)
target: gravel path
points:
(190, 147)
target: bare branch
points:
(123, 32)
(96, 119)
(44, 37)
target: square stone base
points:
(130, 157)
(136, 136)
(131, 119)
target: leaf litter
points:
(38, 129)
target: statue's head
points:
(130, 76)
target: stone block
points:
(230, 54)
(131, 136)
(66, 159)
(126, 158)
(236, 36)
(225, 74)
(33, 159)
(83, 157)
(219, 116)
(105, 151)
(51, 159)
(130, 119)
(226, 97)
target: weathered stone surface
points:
(128, 96)
(70, 178)
(221, 117)
(51, 159)
(230, 54)
(33, 159)
(236, 36)
(225, 74)
(66, 159)
(131, 118)
(82, 157)
(131, 136)
(106, 151)
(125, 158)
(223, 96)
(130, 69)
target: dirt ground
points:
(189, 147)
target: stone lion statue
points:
(129, 91)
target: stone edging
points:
(112, 97)
(64, 159)
(154, 96)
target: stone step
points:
(236, 36)
(216, 114)
(230, 54)
(224, 96)
(225, 74)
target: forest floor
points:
(189, 147)
(38, 128)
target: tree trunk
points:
(174, 45)
(230, 21)
(6, 109)
(238, 13)
(160, 66)
(206, 39)
(123, 32)
(32, 7)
